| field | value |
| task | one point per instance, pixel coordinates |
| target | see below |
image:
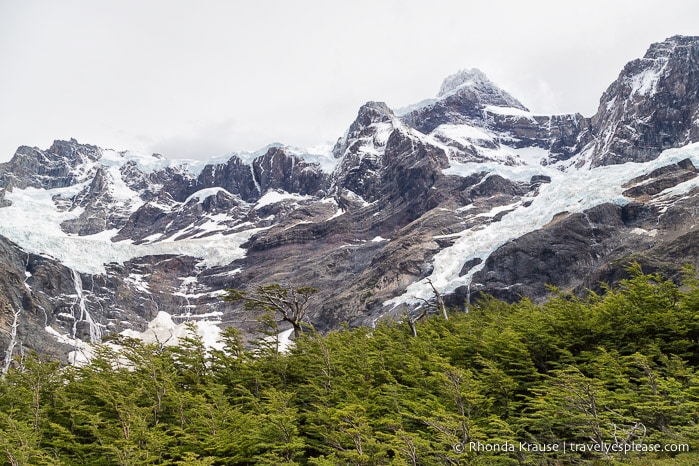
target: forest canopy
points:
(608, 378)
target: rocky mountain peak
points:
(279, 170)
(462, 99)
(476, 88)
(481, 122)
(370, 113)
(669, 46)
(73, 150)
(52, 168)
(660, 61)
(652, 106)
(469, 189)
(371, 127)
(470, 77)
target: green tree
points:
(292, 304)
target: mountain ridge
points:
(470, 190)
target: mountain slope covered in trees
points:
(613, 369)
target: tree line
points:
(618, 368)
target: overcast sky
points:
(197, 79)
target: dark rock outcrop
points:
(277, 169)
(661, 179)
(652, 106)
(52, 168)
(561, 254)
(234, 176)
(361, 151)
(462, 98)
(581, 251)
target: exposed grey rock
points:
(560, 254)
(560, 135)
(581, 251)
(361, 151)
(661, 179)
(538, 179)
(470, 98)
(29, 283)
(234, 176)
(53, 168)
(278, 170)
(652, 106)
(463, 98)
(365, 233)
(101, 211)
(363, 127)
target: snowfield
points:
(572, 191)
(40, 233)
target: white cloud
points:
(196, 78)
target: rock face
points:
(564, 253)
(43, 291)
(361, 150)
(582, 250)
(235, 176)
(652, 106)
(277, 170)
(53, 168)
(481, 122)
(462, 98)
(469, 189)
(101, 210)
(661, 179)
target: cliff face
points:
(652, 106)
(469, 189)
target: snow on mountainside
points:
(88, 254)
(569, 192)
(652, 106)
(469, 189)
(45, 232)
(472, 82)
(480, 122)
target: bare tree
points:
(440, 302)
(412, 321)
(11, 345)
(292, 304)
(426, 307)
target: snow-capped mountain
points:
(468, 189)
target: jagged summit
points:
(481, 122)
(474, 88)
(471, 87)
(371, 128)
(653, 105)
(644, 73)
(669, 46)
(369, 113)
(469, 189)
(462, 99)
(465, 77)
